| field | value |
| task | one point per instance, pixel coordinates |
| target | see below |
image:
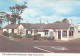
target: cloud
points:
(20, 1)
(52, 10)
(57, 7)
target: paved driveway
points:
(7, 45)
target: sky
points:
(51, 10)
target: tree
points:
(65, 20)
(2, 17)
(7, 18)
(16, 11)
(57, 22)
(0, 27)
(15, 14)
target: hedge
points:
(14, 35)
(29, 36)
(6, 33)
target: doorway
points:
(26, 32)
(59, 34)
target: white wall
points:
(64, 37)
(29, 32)
(56, 35)
(15, 30)
(79, 26)
(32, 31)
(50, 30)
(10, 31)
(4, 30)
(76, 35)
(21, 27)
(42, 33)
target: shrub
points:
(11, 34)
(39, 35)
(43, 38)
(6, 33)
(50, 38)
(14, 35)
(47, 38)
(18, 36)
(29, 36)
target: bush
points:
(50, 38)
(39, 35)
(47, 38)
(18, 36)
(29, 36)
(11, 34)
(6, 33)
(14, 35)
(43, 38)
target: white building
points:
(62, 31)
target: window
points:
(46, 32)
(65, 33)
(31, 31)
(7, 30)
(71, 28)
(71, 33)
(26, 32)
(35, 31)
(21, 31)
(12, 30)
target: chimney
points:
(70, 21)
(46, 22)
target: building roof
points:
(26, 25)
(30, 26)
(11, 26)
(38, 26)
(57, 26)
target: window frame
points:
(21, 31)
(71, 33)
(46, 32)
(64, 33)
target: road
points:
(7, 45)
